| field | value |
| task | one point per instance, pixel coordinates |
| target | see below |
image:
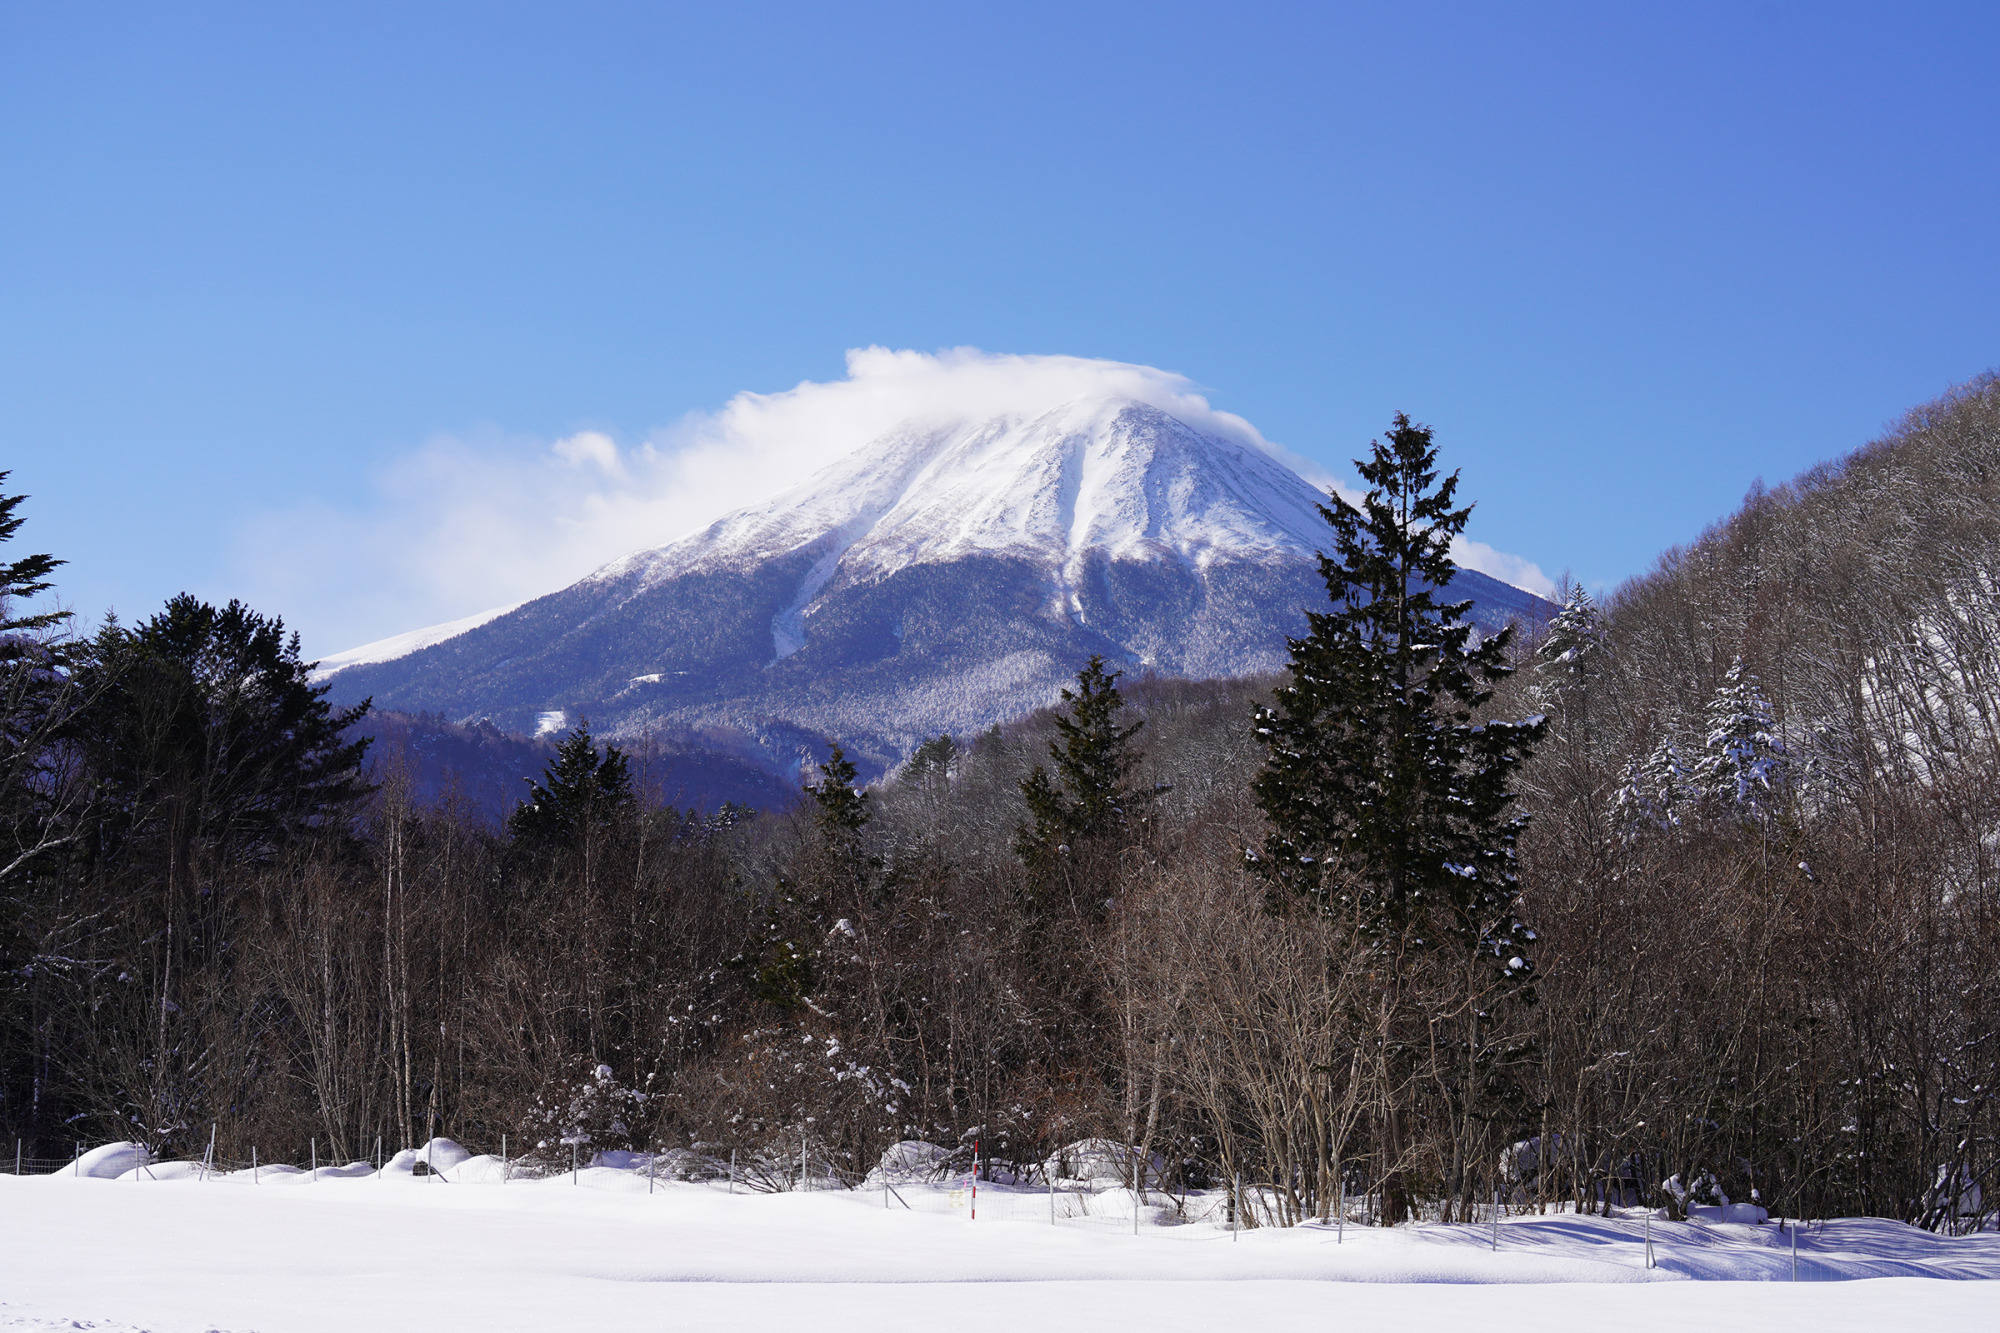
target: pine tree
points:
(580, 791)
(840, 808)
(1386, 800)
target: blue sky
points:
(259, 263)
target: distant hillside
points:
(488, 769)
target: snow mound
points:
(910, 1161)
(1103, 1160)
(439, 1155)
(107, 1163)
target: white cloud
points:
(1507, 568)
(466, 523)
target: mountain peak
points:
(947, 574)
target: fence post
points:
(17, 1157)
(732, 1170)
(380, 1165)
(313, 1179)
(1795, 1249)
(1496, 1220)
(503, 1159)
(208, 1162)
(253, 1166)
(572, 1164)
(974, 1215)
(1135, 1189)
(1649, 1238)
(430, 1159)
(1050, 1176)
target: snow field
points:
(350, 1248)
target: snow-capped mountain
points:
(949, 575)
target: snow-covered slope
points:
(948, 575)
(1107, 478)
(402, 645)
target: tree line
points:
(1686, 895)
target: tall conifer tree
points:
(1385, 798)
(1390, 806)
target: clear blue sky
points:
(1626, 260)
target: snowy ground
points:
(294, 1254)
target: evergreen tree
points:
(22, 578)
(593, 1114)
(840, 808)
(1655, 793)
(37, 808)
(581, 791)
(786, 967)
(1390, 808)
(1091, 795)
(935, 760)
(1386, 800)
(204, 728)
(209, 751)
(1571, 653)
(1744, 759)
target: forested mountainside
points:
(940, 579)
(1749, 949)
(1766, 827)
(488, 771)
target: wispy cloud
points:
(468, 522)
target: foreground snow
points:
(351, 1248)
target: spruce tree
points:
(1386, 801)
(1743, 763)
(1091, 795)
(1390, 807)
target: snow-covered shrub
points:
(591, 1114)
